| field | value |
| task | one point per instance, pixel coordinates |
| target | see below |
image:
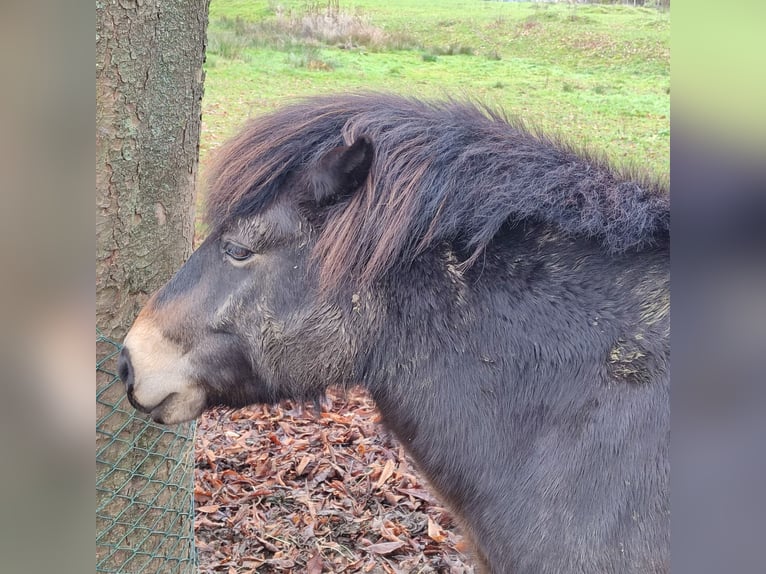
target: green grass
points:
(598, 75)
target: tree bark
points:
(149, 83)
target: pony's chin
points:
(180, 407)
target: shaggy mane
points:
(443, 171)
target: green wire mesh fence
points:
(144, 482)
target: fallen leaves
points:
(384, 547)
(435, 532)
(385, 474)
(285, 489)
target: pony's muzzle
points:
(158, 375)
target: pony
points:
(503, 297)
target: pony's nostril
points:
(125, 369)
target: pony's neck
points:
(466, 367)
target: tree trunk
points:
(149, 82)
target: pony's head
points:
(241, 322)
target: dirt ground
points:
(292, 489)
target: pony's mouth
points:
(153, 411)
(177, 407)
(135, 404)
(159, 412)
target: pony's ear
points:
(342, 171)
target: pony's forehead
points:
(253, 205)
(280, 218)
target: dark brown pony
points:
(503, 297)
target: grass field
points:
(599, 75)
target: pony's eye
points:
(236, 252)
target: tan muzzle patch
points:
(162, 382)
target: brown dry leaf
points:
(267, 545)
(209, 508)
(340, 419)
(315, 563)
(435, 532)
(282, 563)
(419, 493)
(386, 473)
(302, 465)
(384, 547)
(201, 522)
(391, 498)
(243, 512)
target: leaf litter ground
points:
(291, 489)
